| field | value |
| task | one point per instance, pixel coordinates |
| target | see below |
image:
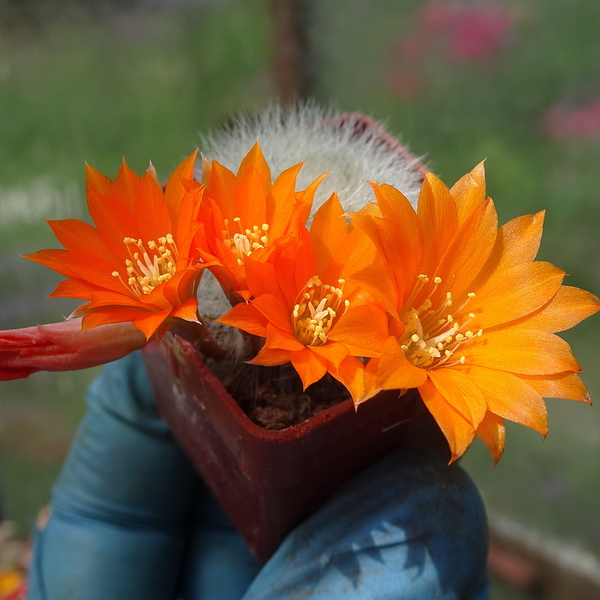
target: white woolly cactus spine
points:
(324, 141)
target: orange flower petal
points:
(469, 250)
(222, 184)
(458, 431)
(281, 202)
(255, 160)
(186, 223)
(80, 265)
(261, 276)
(492, 433)
(332, 352)
(150, 323)
(176, 190)
(247, 318)
(309, 366)
(110, 315)
(438, 221)
(458, 390)
(519, 240)
(395, 372)
(513, 293)
(104, 298)
(380, 283)
(520, 351)
(569, 306)
(75, 288)
(362, 329)
(562, 385)
(273, 309)
(278, 338)
(188, 311)
(97, 182)
(327, 231)
(250, 197)
(80, 236)
(354, 252)
(150, 209)
(271, 357)
(469, 191)
(350, 373)
(510, 397)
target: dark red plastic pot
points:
(268, 481)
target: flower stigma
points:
(245, 241)
(432, 336)
(318, 306)
(149, 265)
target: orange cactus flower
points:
(305, 309)
(246, 215)
(473, 316)
(139, 263)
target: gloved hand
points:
(130, 519)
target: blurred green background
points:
(514, 82)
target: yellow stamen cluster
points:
(434, 334)
(149, 265)
(244, 241)
(318, 305)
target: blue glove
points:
(131, 519)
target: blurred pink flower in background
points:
(471, 32)
(582, 123)
(447, 31)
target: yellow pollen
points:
(317, 307)
(243, 242)
(148, 266)
(433, 334)
(426, 305)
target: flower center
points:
(318, 305)
(244, 241)
(150, 264)
(432, 335)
